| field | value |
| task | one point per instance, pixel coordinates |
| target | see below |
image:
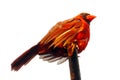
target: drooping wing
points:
(66, 37)
(63, 34)
(55, 31)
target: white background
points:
(24, 22)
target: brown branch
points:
(74, 66)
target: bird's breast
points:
(82, 39)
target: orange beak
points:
(90, 17)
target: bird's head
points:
(87, 17)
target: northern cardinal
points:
(60, 42)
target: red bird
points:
(60, 41)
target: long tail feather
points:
(25, 58)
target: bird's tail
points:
(25, 58)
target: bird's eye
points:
(84, 15)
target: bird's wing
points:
(68, 37)
(57, 30)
